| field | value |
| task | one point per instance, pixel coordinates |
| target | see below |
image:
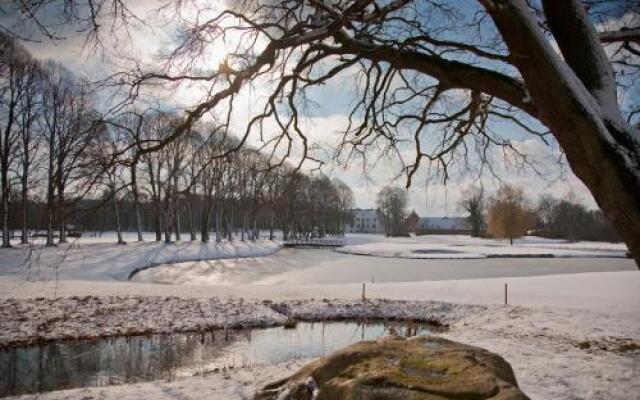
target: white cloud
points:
(324, 127)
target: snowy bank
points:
(466, 247)
(555, 353)
(28, 321)
(94, 259)
(604, 292)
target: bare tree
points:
(68, 127)
(74, 137)
(29, 142)
(392, 204)
(13, 63)
(472, 202)
(132, 124)
(212, 169)
(345, 204)
(567, 218)
(439, 66)
(157, 126)
(109, 140)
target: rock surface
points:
(421, 368)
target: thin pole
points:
(505, 294)
(363, 292)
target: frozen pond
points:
(324, 266)
(64, 365)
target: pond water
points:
(306, 266)
(437, 251)
(71, 364)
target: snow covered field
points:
(556, 353)
(573, 336)
(465, 247)
(324, 266)
(100, 258)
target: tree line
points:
(62, 163)
(509, 213)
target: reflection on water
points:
(64, 365)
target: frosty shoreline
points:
(39, 320)
(556, 353)
(95, 259)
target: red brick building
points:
(412, 222)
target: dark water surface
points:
(72, 364)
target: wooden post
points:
(363, 289)
(505, 294)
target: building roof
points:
(365, 212)
(447, 223)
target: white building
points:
(365, 221)
(444, 225)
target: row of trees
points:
(203, 182)
(62, 162)
(48, 129)
(423, 73)
(510, 214)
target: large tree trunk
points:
(24, 192)
(577, 101)
(156, 196)
(136, 200)
(176, 221)
(167, 217)
(157, 221)
(244, 225)
(192, 222)
(62, 220)
(50, 191)
(218, 224)
(117, 216)
(5, 146)
(204, 223)
(50, 212)
(271, 221)
(24, 206)
(230, 225)
(5, 205)
(167, 229)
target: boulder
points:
(420, 368)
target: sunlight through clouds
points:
(152, 43)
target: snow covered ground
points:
(603, 292)
(465, 247)
(100, 258)
(573, 336)
(570, 336)
(324, 266)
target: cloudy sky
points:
(327, 118)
